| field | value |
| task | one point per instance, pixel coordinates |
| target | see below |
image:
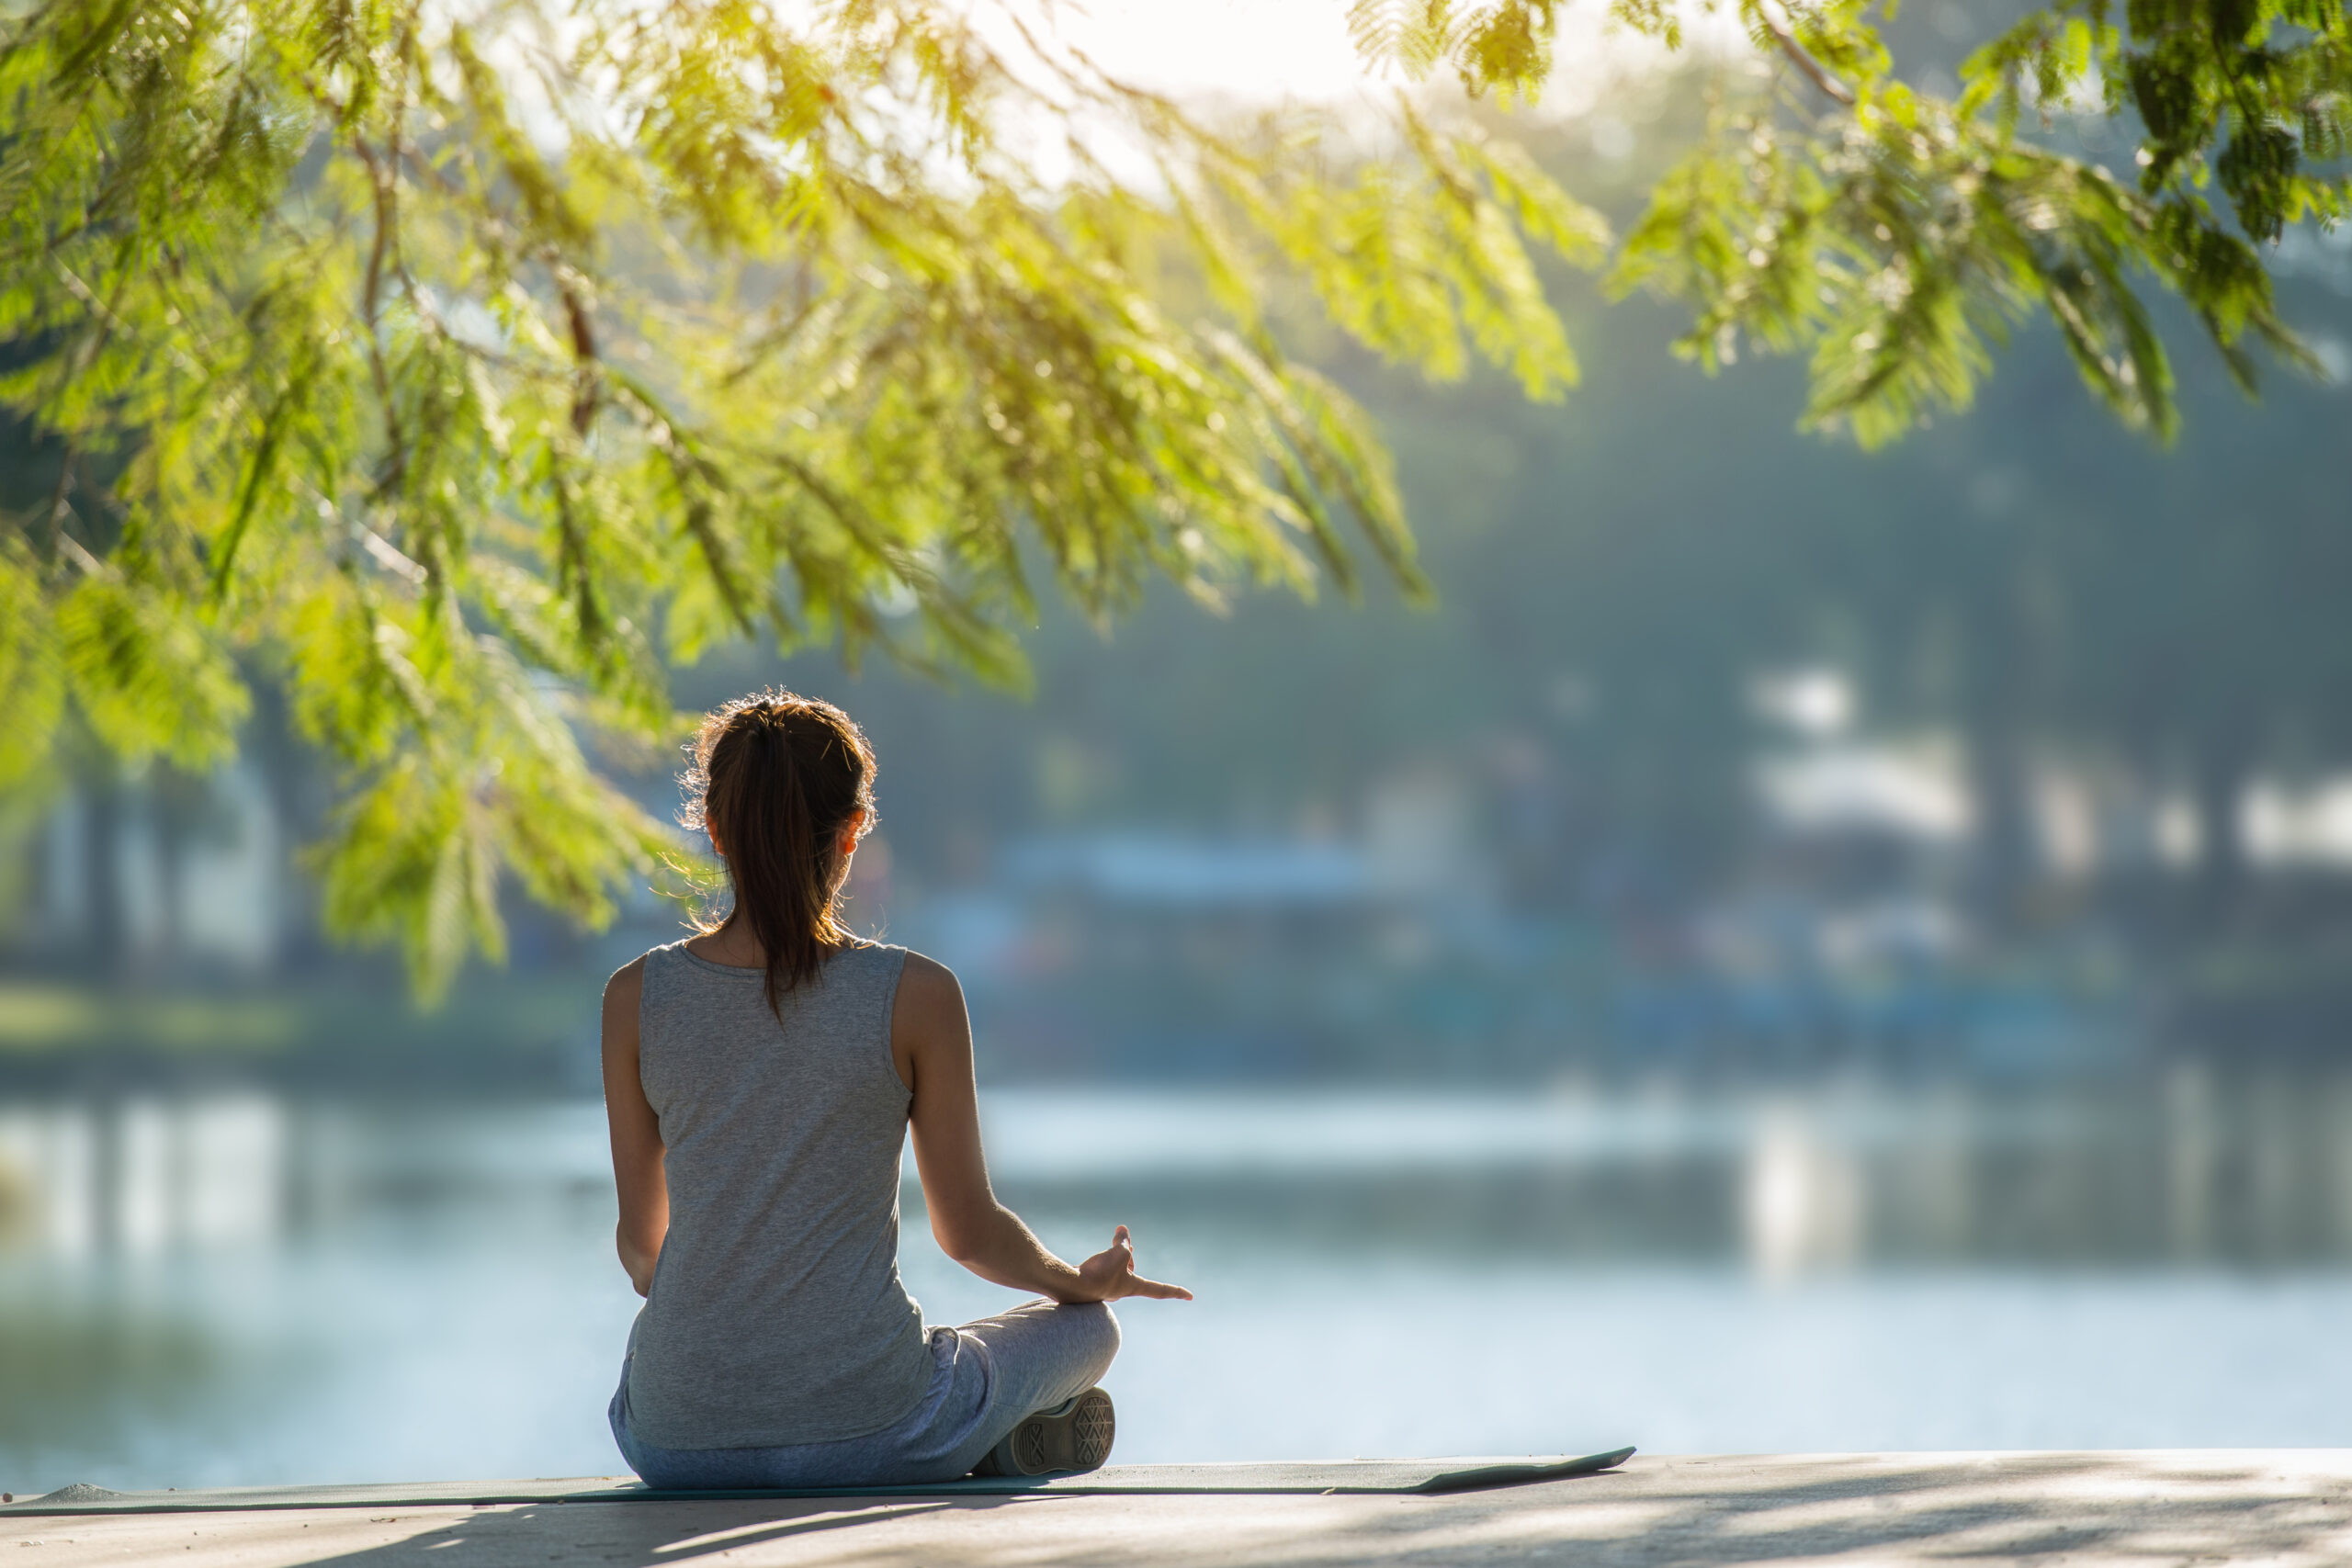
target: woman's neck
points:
(731, 944)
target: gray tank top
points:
(776, 1315)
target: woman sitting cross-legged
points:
(761, 1078)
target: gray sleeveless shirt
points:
(776, 1315)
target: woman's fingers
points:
(1130, 1283)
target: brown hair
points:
(776, 778)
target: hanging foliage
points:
(460, 367)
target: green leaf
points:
(147, 676)
(32, 691)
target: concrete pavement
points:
(2272, 1507)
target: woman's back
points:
(761, 1083)
(776, 1315)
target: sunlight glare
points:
(1267, 50)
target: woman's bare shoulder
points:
(926, 974)
(627, 985)
(929, 992)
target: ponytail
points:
(776, 780)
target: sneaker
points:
(1074, 1435)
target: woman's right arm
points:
(636, 1134)
(930, 1044)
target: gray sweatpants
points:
(986, 1377)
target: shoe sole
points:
(1073, 1436)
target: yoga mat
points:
(1344, 1477)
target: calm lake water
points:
(245, 1289)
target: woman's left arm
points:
(636, 1134)
(930, 1045)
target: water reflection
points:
(245, 1287)
(1801, 1196)
(142, 1176)
(2188, 1168)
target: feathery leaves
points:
(459, 368)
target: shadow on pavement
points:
(2090, 1508)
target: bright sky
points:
(1299, 49)
(1253, 49)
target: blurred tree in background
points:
(458, 371)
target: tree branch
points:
(1776, 19)
(60, 506)
(584, 348)
(386, 219)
